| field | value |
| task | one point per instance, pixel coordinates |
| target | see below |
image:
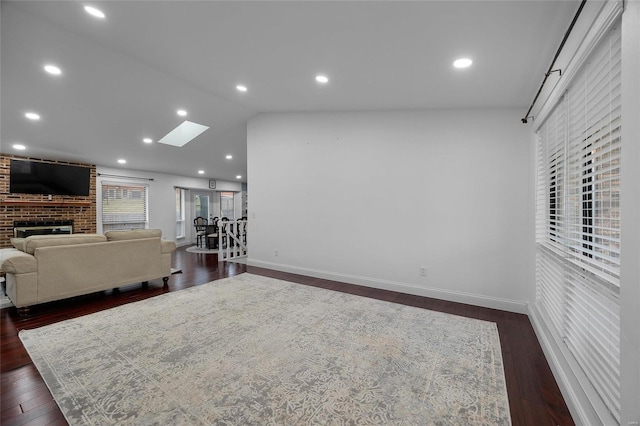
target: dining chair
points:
(200, 224)
(212, 233)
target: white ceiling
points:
(125, 76)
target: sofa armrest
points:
(20, 264)
(167, 246)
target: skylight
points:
(183, 134)
(94, 12)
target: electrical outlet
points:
(275, 252)
(423, 271)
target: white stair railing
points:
(232, 239)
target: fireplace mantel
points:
(45, 203)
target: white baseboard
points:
(436, 293)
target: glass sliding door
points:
(201, 204)
(226, 205)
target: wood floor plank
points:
(534, 397)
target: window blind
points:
(124, 206)
(180, 212)
(578, 219)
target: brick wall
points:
(84, 216)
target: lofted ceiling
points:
(124, 76)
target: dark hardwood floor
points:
(534, 397)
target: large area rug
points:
(203, 250)
(252, 350)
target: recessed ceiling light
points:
(241, 88)
(200, 172)
(322, 79)
(19, 147)
(462, 63)
(181, 112)
(229, 157)
(147, 140)
(94, 12)
(52, 69)
(122, 161)
(32, 116)
(239, 177)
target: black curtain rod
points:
(125, 177)
(551, 70)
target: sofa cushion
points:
(35, 241)
(6, 253)
(18, 243)
(133, 234)
(19, 263)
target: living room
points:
(433, 194)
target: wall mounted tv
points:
(33, 177)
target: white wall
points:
(162, 198)
(370, 197)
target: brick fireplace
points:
(14, 208)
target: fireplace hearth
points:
(23, 229)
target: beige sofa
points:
(44, 268)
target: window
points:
(578, 220)
(202, 206)
(180, 213)
(124, 207)
(226, 205)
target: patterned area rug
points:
(260, 351)
(195, 249)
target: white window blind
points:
(578, 219)
(180, 212)
(124, 206)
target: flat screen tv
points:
(32, 177)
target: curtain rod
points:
(551, 70)
(125, 177)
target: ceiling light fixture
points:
(147, 140)
(19, 147)
(462, 63)
(239, 177)
(32, 116)
(52, 69)
(241, 88)
(200, 172)
(229, 157)
(94, 12)
(122, 161)
(181, 112)
(322, 79)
